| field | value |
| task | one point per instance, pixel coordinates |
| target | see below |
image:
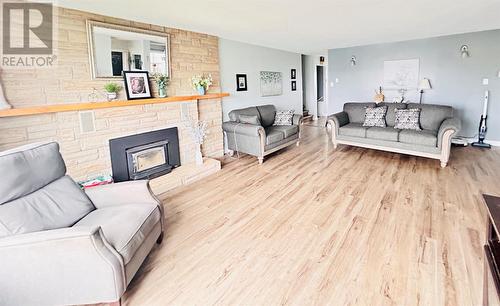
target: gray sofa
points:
(60, 245)
(433, 141)
(260, 140)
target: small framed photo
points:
(137, 85)
(241, 82)
(294, 85)
(293, 74)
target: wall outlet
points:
(486, 81)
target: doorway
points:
(321, 105)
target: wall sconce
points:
(464, 50)
(353, 61)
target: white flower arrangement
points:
(199, 131)
(202, 81)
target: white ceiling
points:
(307, 26)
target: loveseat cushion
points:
(234, 115)
(423, 137)
(28, 168)
(387, 133)
(274, 134)
(267, 114)
(288, 130)
(59, 204)
(432, 115)
(353, 129)
(124, 226)
(356, 111)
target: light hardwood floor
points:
(317, 226)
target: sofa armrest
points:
(338, 120)
(242, 128)
(297, 119)
(132, 192)
(58, 267)
(451, 124)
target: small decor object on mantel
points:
(201, 83)
(137, 85)
(199, 131)
(161, 81)
(241, 82)
(112, 90)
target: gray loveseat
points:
(260, 140)
(433, 141)
(60, 245)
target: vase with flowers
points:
(199, 131)
(201, 83)
(161, 81)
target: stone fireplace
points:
(144, 156)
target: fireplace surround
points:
(144, 156)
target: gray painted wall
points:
(236, 57)
(455, 81)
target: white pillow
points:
(284, 117)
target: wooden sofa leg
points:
(443, 164)
(261, 159)
(298, 143)
(230, 153)
(160, 238)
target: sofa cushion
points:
(29, 168)
(274, 134)
(432, 115)
(59, 204)
(267, 114)
(356, 111)
(124, 226)
(353, 129)
(234, 115)
(423, 137)
(387, 133)
(249, 119)
(288, 130)
(390, 116)
(375, 116)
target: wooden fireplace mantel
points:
(56, 108)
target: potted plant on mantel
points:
(201, 83)
(161, 81)
(112, 90)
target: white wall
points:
(236, 57)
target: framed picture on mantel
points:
(137, 85)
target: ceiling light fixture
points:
(464, 50)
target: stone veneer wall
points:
(69, 81)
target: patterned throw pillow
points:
(375, 116)
(407, 119)
(284, 117)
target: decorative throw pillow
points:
(407, 119)
(375, 116)
(249, 119)
(284, 117)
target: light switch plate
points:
(486, 81)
